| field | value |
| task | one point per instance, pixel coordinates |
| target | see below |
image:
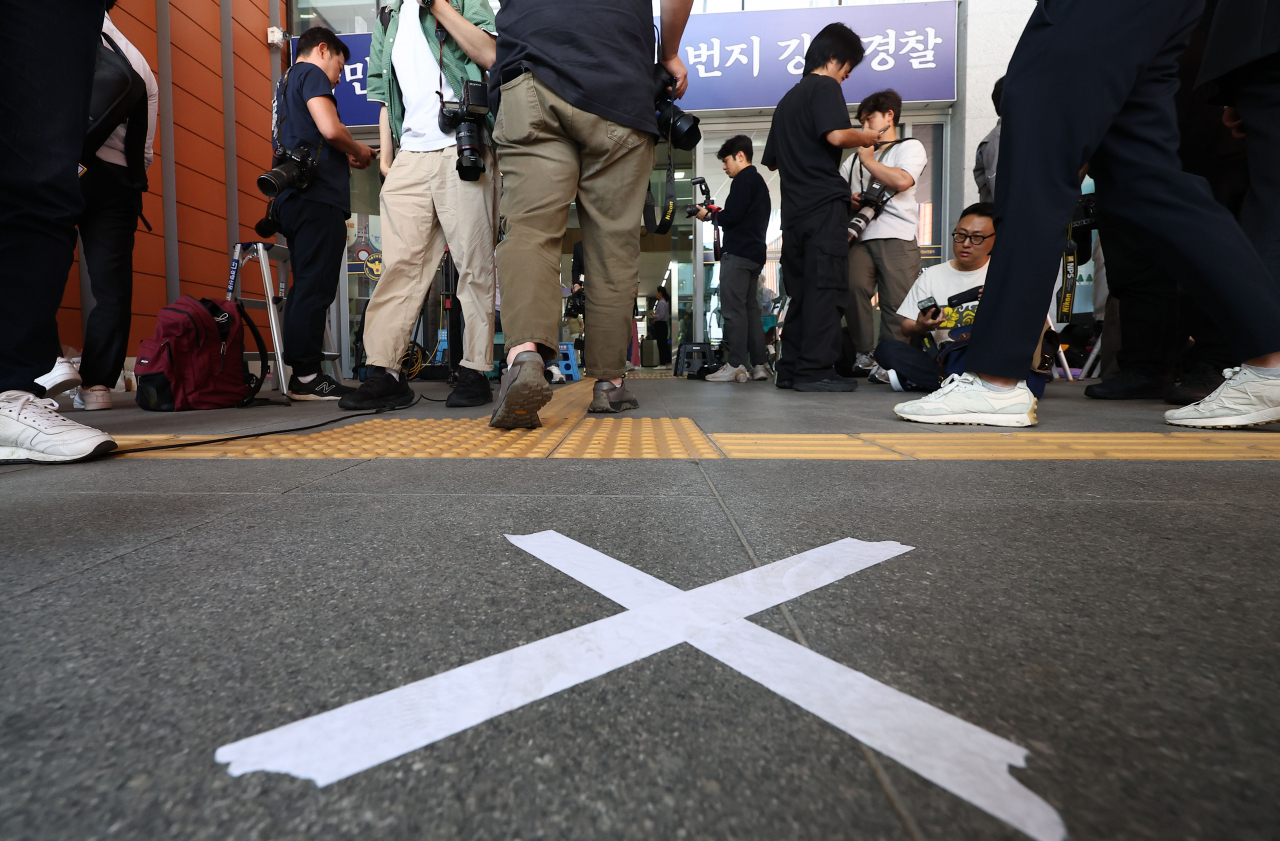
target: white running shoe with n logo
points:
(1245, 399)
(964, 399)
(31, 430)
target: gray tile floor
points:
(1117, 619)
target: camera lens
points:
(679, 126)
(276, 181)
(470, 161)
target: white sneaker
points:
(31, 430)
(63, 376)
(964, 399)
(761, 373)
(1245, 399)
(894, 383)
(729, 374)
(557, 376)
(92, 399)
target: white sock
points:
(993, 387)
(1269, 373)
(308, 378)
(395, 375)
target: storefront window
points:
(344, 17)
(929, 194)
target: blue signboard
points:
(750, 59)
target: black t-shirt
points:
(597, 54)
(797, 146)
(332, 183)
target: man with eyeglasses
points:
(927, 320)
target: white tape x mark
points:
(960, 757)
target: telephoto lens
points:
(275, 181)
(858, 224)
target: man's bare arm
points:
(325, 113)
(480, 46)
(849, 138)
(675, 14)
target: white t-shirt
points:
(940, 282)
(900, 218)
(112, 151)
(419, 78)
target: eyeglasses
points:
(977, 239)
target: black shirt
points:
(745, 216)
(797, 146)
(597, 54)
(332, 184)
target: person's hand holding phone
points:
(930, 316)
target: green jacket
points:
(457, 65)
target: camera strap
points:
(652, 223)
(884, 150)
(279, 115)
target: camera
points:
(576, 305)
(292, 168)
(463, 118)
(927, 306)
(691, 210)
(873, 199)
(677, 126)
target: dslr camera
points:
(463, 118)
(691, 210)
(873, 199)
(674, 124)
(292, 168)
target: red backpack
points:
(195, 358)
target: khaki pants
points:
(552, 152)
(425, 205)
(890, 264)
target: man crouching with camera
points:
(577, 118)
(312, 188)
(427, 67)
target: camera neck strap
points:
(652, 223)
(277, 126)
(883, 151)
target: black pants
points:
(740, 306)
(107, 227)
(916, 370)
(1125, 56)
(1257, 97)
(1151, 334)
(39, 191)
(317, 235)
(662, 334)
(815, 267)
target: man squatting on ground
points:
(571, 124)
(745, 219)
(886, 257)
(314, 220)
(425, 204)
(1125, 55)
(810, 127)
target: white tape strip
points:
(336, 744)
(960, 757)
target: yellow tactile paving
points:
(839, 447)
(636, 438)
(653, 374)
(1167, 446)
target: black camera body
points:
(677, 126)
(463, 118)
(873, 200)
(292, 168)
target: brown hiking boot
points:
(524, 391)
(607, 397)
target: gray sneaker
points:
(1244, 399)
(729, 374)
(863, 364)
(607, 397)
(524, 391)
(761, 373)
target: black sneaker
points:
(524, 391)
(379, 391)
(1128, 385)
(323, 387)
(472, 390)
(831, 384)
